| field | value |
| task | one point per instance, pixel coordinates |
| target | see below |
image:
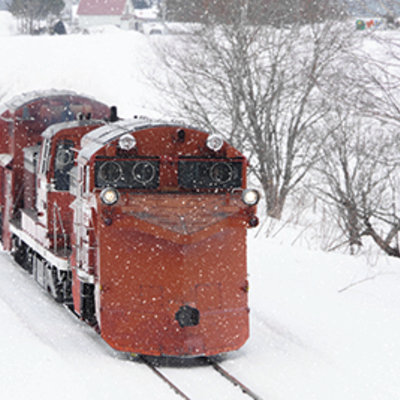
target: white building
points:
(106, 12)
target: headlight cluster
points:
(196, 174)
(128, 174)
(192, 174)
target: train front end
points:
(164, 216)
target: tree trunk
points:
(383, 244)
(275, 206)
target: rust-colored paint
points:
(22, 127)
(158, 250)
(149, 268)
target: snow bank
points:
(8, 24)
(325, 326)
(114, 67)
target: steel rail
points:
(232, 379)
(164, 378)
(209, 361)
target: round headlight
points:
(63, 157)
(110, 172)
(221, 173)
(127, 142)
(143, 172)
(109, 196)
(250, 197)
(215, 142)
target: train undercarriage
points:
(55, 281)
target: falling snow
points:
(317, 332)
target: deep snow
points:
(313, 335)
(308, 339)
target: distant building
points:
(126, 14)
(105, 12)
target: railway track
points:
(205, 362)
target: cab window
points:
(63, 163)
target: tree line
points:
(31, 12)
(316, 116)
(274, 12)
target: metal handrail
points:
(57, 213)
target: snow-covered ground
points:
(323, 325)
(311, 338)
(8, 25)
(112, 65)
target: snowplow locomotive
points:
(138, 226)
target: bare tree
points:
(369, 139)
(272, 12)
(376, 8)
(374, 80)
(30, 12)
(360, 174)
(261, 88)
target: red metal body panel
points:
(32, 119)
(159, 250)
(6, 122)
(7, 208)
(149, 268)
(21, 126)
(60, 199)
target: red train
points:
(138, 226)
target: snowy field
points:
(323, 325)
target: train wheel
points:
(29, 261)
(20, 253)
(54, 285)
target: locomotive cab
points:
(162, 215)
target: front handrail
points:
(57, 213)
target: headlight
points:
(250, 197)
(63, 157)
(215, 142)
(221, 173)
(143, 172)
(211, 174)
(127, 142)
(109, 196)
(110, 172)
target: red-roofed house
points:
(105, 12)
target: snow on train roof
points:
(25, 98)
(96, 139)
(52, 130)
